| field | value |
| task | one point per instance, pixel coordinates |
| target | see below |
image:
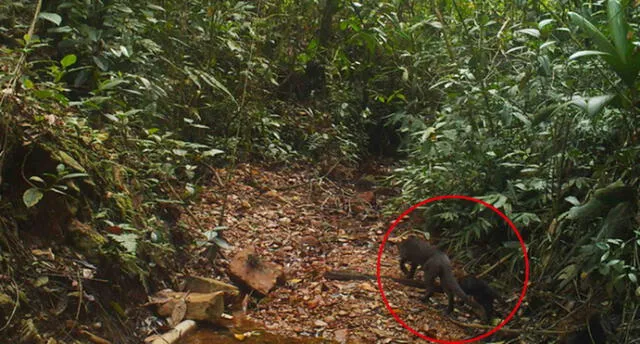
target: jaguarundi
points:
(435, 264)
(481, 292)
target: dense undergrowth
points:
(114, 112)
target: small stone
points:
(320, 323)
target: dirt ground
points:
(310, 225)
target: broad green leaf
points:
(547, 44)
(32, 196)
(101, 63)
(405, 73)
(211, 234)
(156, 7)
(233, 46)
(584, 53)
(573, 200)
(68, 60)
(124, 9)
(43, 94)
(212, 152)
(28, 84)
(580, 102)
(60, 189)
(128, 240)
(124, 51)
(179, 152)
(544, 23)
(222, 243)
(211, 81)
(74, 175)
(522, 47)
(70, 161)
(618, 29)
(598, 37)
(521, 117)
(545, 63)
(37, 179)
(594, 105)
(531, 32)
(61, 29)
(111, 84)
(500, 202)
(112, 117)
(52, 17)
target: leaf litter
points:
(311, 225)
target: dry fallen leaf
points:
(179, 312)
(341, 335)
(320, 323)
(368, 287)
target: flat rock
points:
(247, 269)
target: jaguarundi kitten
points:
(481, 292)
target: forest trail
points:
(313, 225)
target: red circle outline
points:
(467, 198)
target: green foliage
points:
(527, 129)
(55, 183)
(618, 51)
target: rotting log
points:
(200, 306)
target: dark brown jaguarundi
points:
(435, 264)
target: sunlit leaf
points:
(179, 152)
(212, 152)
(547, 44)
(68, 60)
(544, 23)
(74, 175)
(593, 105)
(221, 243)
(128, 240)
(32, 196)
(584, 53)
(531, 32)
(156, 7)
(573, 200)
(52, 17)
